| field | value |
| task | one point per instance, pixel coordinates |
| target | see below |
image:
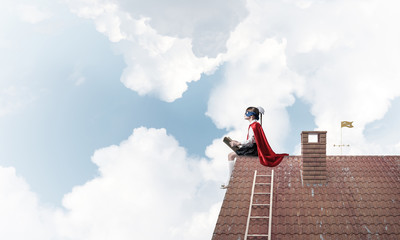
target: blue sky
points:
(126, 100)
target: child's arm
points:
(231, 143)
(250, 139)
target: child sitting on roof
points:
(256, 144)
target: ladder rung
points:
(262, 193)
(257, 235)
(259, 217)
(263, 183)
(260, 204)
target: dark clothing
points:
(248, 150)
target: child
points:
(256, 144)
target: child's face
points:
(246, 117)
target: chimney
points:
(313, 151)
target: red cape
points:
(265, 153)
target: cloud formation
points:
(21, 213)
(146, 182)
(346, 67)
(207, 23)
(165, 45)
(147, 186)
(277, 46)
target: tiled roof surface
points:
(361, 200)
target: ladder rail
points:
(251, 203)
(270, 205)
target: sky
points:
(112, 113)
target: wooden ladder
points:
(266, 216)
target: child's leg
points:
(232, 156)
(231, 165)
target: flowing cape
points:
(265, 153)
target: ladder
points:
(266, 216)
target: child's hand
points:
(235, 143)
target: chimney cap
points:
(314, 132)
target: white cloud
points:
(208, 23)
(147, 188)
(346, 67)
(164, 74)
(146, 181)
(32, 14)
(21, 214)
(256, 74)
(201, 223)
(354, 76)
(157, 64)
(311, 49)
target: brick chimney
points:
(313, 151)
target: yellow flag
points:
(347, 124)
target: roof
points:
(361, 200)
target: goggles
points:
(248, 114)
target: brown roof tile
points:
(361, 200)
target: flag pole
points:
(341, 142)
(343, 124)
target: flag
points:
(347, 124)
